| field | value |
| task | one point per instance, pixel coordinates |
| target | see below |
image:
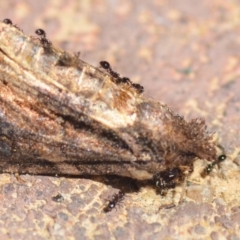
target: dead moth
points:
(60, 115)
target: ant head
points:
(222, 158)
(105, 64)
(7, 21)
(40, 32)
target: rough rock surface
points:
(184, 54)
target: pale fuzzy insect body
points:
(60, 115)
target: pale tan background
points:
(186, 54)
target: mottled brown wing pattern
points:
(60, 115)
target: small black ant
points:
(116, 199)
(58, 198)
(138, 87)
(9, 22)
(105, 65)
(210, 167)
(43, 40)
(125, 80)
(41, 32)
(167, 179)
